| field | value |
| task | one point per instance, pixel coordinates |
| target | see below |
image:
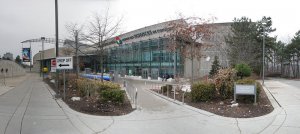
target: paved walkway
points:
(30, 108)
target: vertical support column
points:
(43, 39)
(30, 56)
(56, 43)
(150, 60)
(159, 58)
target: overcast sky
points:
(28, 19)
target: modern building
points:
(143, 53)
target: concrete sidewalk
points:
(29, 108)
(9, 83)
(287, 93)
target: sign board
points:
(53, 65)
(26, 54)
(63, 63)
(245, 90)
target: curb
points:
(277, 109)
(272, 99)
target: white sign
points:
(64, 63)
(53, 65)
(245, 89)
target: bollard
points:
(167, 90)
(136, 93)
(174, 93)
(183, 97)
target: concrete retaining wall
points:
(13, 69)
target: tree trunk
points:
(101, 63)
(298, 67)
(76, 53)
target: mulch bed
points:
(92, 105)
(245, 109)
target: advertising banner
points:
(26, 54)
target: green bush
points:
(249, 81)
(243, 70)
(166, 88)
(113, 95)
(202, 92)
(215, 67)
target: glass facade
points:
(148, 58)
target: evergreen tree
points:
(18, 59)
(215, 66)
(245, 42)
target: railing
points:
(171, 90)
(131, 92)
(130, 89)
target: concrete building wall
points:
(218, 48)
(13, 69)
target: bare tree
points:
(75, 30)
(189, 36)
(100, 30)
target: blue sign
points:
(26, 54)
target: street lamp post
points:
(263, 60)
(40, 53)
(56, 42)
(43, 39)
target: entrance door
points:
(145, 73)
(154, 73)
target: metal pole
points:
(64, 84)
(4, 79)
(43, 38)
(40, 63)
(263, 64)
(56, 43)
(136, 95)
(30, 57)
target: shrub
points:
(166, 88)
(202, 92)
(224, 81)
(88, 87)
(215, 67)
(113, 95)
(243, 70)
(250, 82)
